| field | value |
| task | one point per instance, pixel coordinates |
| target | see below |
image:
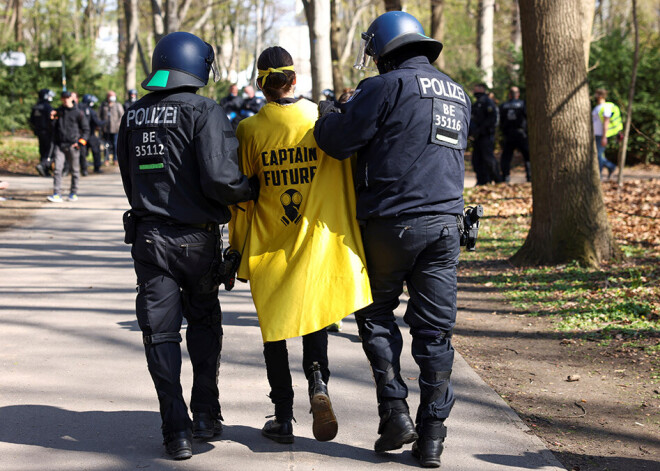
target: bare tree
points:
(631, 96)
(132, 27)
(569, 220)
(391, 5)
(158, 19)
(317, 13)
(485, 57)
(587, 10)
(438, 26)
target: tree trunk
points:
(335, 47)
(318, 20)
(258, 41)
(391, 5)
(587, 10)
(157, 19)
(18, 26)
(132, 27)
(485, 56)
(438, 27)
(171, 16)
(569, 221)
(631, 96)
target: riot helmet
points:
(180, 60)
(132, 92)
(392, 31)
(46, 94)
(89, 100)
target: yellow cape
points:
(301, 244)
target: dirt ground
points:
(607, 419)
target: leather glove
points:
(328, 106)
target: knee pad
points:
(155, 339)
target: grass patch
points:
(618, 299)
(18, 154)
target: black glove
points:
(327, 107)
(254, 187)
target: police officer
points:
(513, 124)
(409, 128)
(95, 123)
(482, 129)
(42, 126)
(252, 104)
(232, 104)
(132, 98)
(178, 162)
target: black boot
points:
(206, 426)
(428, 447)
(528, 171)
(396, 429)
(279, 431)
(325, 423)
(178, 446)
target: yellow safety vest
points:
(616, 125)
(301, 245)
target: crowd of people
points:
(391, 155)
(389, 152)
(68, 133)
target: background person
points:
(606, 120)
(409, 127)
(301, 248)
(42, 125)
(71, 132)
(513, 124)
(95, 125)
(482, 128)
(179, 176)
(111, 113)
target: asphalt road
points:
(75, 393)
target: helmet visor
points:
(210, 59)
(363, 58)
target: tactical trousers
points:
(422, 251)
(315, 349)
(174, 280)
(484, 162)
(511, 143)
(45, 149)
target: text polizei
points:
(152, 116)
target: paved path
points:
(75, 393)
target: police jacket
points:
(253, 104)
(70, 126)
(40, 121)
(484, 117)
(178, 161)
(513, 118)
(231, 104)
(409, 129)
(93, 118)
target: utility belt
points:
(131, 221)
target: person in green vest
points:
(606, 119)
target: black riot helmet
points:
(392, 31)
(46, 95)
(180, 60)
(132, 93)
(89, 100)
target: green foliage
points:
(611, 58)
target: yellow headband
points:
(280, 70)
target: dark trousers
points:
(422, 251)
(45, 150)
(174, 266)
(484, 162)
(511, 143)
(93, 144)
(315, 349)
